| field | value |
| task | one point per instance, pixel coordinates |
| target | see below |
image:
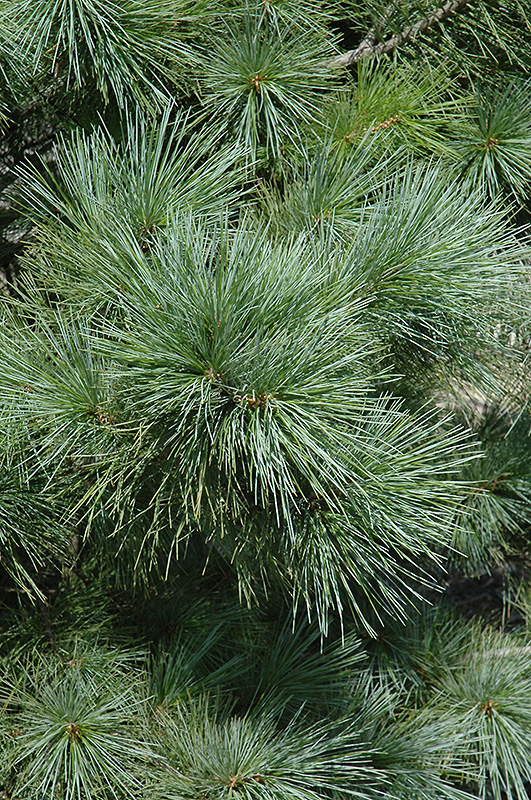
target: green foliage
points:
(251, 758)
(125, 48)
(485, 701)
(181, 668)
(208, 396)
(155, 169)
(264, 384)
(267, 77)
(494, 143)
(407, 106)
(428, 255)
(486, 38)
(73, 738)
(30, 531)
(494, 518)
(326, 195)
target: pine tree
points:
(264, 397)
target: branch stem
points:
(368, 47)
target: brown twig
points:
(368, 47)
(369, 42)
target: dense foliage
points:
(264, 390)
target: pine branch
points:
(369, 42)
(368, 48)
